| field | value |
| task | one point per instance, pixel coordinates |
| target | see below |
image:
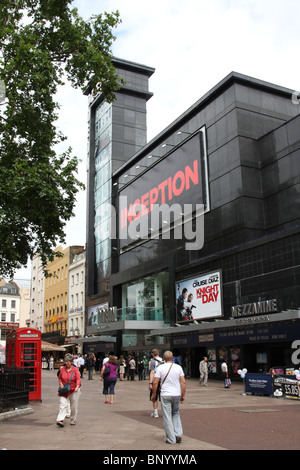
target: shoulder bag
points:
(66, 388)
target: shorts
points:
(157, 393)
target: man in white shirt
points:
(203, 369)
(81, 365)
(105, 359)
(171, 377)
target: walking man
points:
(203, 372)
(90, 364)
(81, 363)
(172, 392)
(154, 363)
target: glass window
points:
(146, 298)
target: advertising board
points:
(199, 297)
(159, 197)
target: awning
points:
(52, 347)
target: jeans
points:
(171, 418)
(109, 386)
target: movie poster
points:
(199, 297)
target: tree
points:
(43, 42)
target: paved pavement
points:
(213, 418)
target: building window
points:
(146, 299)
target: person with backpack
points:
(154, 363)
(90, 365)
(109, 376)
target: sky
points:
(192, 44)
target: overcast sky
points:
(192, 44)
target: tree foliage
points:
(43, 42)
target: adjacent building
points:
(10, 307)
(76, 324)
(56, 291)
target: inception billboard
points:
(174, 188)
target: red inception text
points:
(164, 192)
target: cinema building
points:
(193, 237)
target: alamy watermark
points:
(141, 223)
(296, 354)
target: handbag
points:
(106, 372)
(66, 388)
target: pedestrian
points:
(68, 410)
(145, 362)
(172, 392)
(203, 368)
(90, 364)
(75, 361)
(132, 367)
(51, 363)
(81, 365)
(122, 365)
(154, 363)
(109, 381)
(224, 369)
(105, 359)
(140, 369)
(68, 373)
(128, 366)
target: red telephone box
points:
(23, 349)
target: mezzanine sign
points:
(254, 308)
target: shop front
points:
(255, 343)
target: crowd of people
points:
(166, 384)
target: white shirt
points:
(171, 386)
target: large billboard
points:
(174, 187)
(199, 298)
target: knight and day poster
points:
(199, 298)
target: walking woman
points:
(68, 373)
(109, 377)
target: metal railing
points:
(14, 388)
